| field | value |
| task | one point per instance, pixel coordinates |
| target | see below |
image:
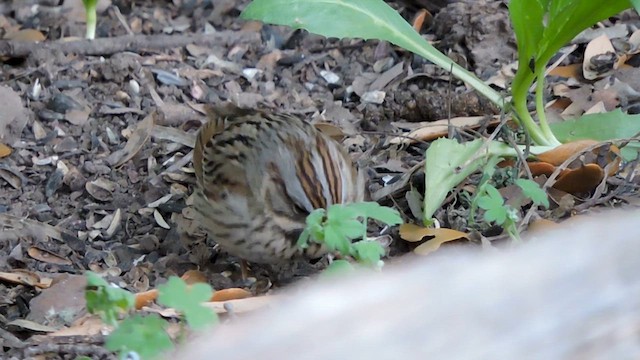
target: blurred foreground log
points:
(569, 294)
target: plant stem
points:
(92, 19)
(540, 110)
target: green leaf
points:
(605, 126)
(493, 204)
(105, 299)
(533, 191)
(367, 251)
(542, 27)
(313, 230)
(188, 300)
(335, 240)
(447, 164)
(146, 336)
(337, 268)
(366, 19)
(373, 210)
(303, 240)
(316, 217)
(344, 219)
(339, 211)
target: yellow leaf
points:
(4, 150)
(439, 236)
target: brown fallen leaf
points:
(559, 154)
(24, 277)
(47, 256)
(4, 151)
(240, 306)
(432, 130)
(415, 233)
(230, 294)
(88, 325)
(26, 35)
(567, 71)
(419, 19)
(24, 325)
(145, 298)
(136, 141)
(541, 168)
(580, 180)
(193, 277)
(540, 226)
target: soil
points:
(99, 177)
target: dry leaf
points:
(26, 35)
(230, 294)
(419, 19)
(240, 306)
(136, 141)
(4, 151)
(580, 180)
(415, 233)
(435, 129)
(559, 154)
(567, 71)
(194, 277)
(88, 325)
(47, 256)
(145, 298)
(599, 58)
(22, 278)
(541, 168)
(28, 325)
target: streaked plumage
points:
(259, 174)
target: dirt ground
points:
(100, 178)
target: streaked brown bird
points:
(259, 174)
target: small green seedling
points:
(496, 211)
(107, 300)
(92, 17)
(337, 226)
(147, 335)
(188, 300)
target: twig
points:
(112, 45)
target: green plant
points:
(337, 226)
(490, 200)
(146, 335)
(106, 300)
(542, 27)
(188, 299)
(92, 17)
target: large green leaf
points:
(605, 126)
(542, 27)
(447, 163)
(366, 19)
